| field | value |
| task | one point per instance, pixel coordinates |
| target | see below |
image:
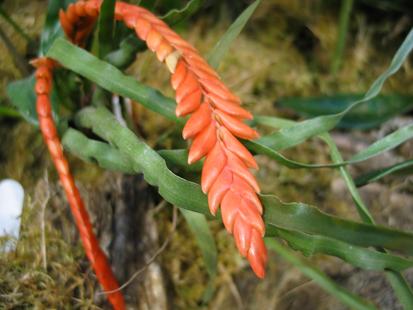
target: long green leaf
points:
(345, 12)
(356, 256)
(188, 195)
(110, 158)
(297, 134)
(347, 298)
(222, 46)
(111, 79)
(376, 175)
(389, 142)
(199, 227)
(364, 116)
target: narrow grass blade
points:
(176, 16)
(106, 27)
(376, 175)
(222, 46)
(345, 12)
(199, 227)
(387, 143)
(365, 116)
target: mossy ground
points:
(285, 50)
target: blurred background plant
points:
(292, 61)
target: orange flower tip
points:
(192, 158)
(172, 60)
(258, 267)
(260, 273)
(178, 112)
(213, 211)
(249, 116)
(256, 135)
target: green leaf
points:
(22, 96)
(51, 29)
(288, 137)
(376, 175)
(345, 12)
(106, 26)
(222, 46)
(111, 79)
(388, 142)
(188, 195)
(370, 114)
(354, 255)
(176, 16)
(199, 227)
(95, 151)
(347, 298)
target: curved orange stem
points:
(93, 251)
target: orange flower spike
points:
(215, 121)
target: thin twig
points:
(43, 204)
(152, 259)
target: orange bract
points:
(216, 119)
